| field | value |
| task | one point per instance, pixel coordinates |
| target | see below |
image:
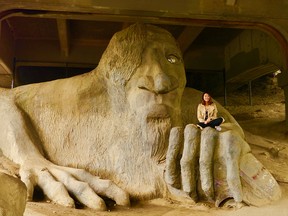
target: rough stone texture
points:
(115, 122)
(13, 195)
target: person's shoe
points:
(199, 127)
(218, 128)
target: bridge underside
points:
(51, 40)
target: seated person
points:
(207, 113)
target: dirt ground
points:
(265, 130)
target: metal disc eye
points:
(172, 59)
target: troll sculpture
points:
(118, 131)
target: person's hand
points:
(207, 121)
(215, 166)
(56, 181)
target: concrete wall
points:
(251, 49)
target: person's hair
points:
(203, 101)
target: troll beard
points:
(156, 137)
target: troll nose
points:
(162, 83)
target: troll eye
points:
(173, 59)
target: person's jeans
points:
(213, 123)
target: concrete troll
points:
(124, 131)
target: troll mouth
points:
(158, 112)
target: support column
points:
(225, 88)
(285, 88)
(250, 92)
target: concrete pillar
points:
(285, 88)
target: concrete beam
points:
(63, 33)
(230, 2)
(126, 24)
(7, 47)
(188, 35)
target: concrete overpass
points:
(47, 39)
